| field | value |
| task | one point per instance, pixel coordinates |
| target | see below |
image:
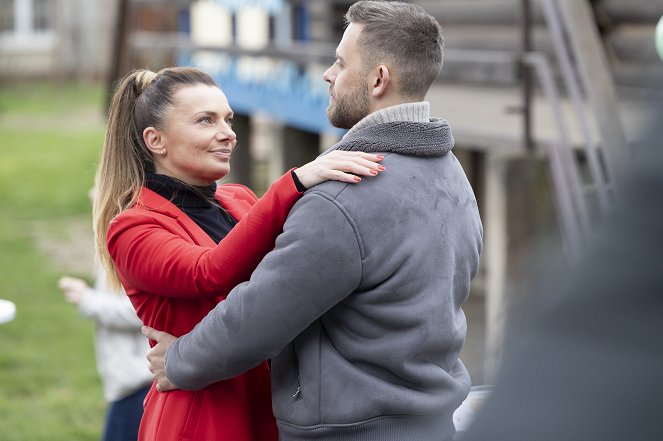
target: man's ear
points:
(380, 80)
(154, 141)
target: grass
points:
(50, 136)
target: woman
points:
(171, 237)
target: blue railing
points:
(271, 6)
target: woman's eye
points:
(229, 121)
(206, 120)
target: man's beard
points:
(347, 110)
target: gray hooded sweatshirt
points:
(359, 305)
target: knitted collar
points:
(424, 139)
(412, 112)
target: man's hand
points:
(157, 357)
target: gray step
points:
(480, 67)
(476, 11)
(633, 43)
(494, 37)
(633, 11)
(640, 75)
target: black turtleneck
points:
(197, 202)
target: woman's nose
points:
(226, 134)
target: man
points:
(359, 305)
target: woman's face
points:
(197, 140)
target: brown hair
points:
(403, 34)
(141, 100)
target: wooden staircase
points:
(484, 39)
(491, 30)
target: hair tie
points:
(143, 79)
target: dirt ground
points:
(67, 243)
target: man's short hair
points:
(403, 34)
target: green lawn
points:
(50, 138)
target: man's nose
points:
(328, 76)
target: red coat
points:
(175, 274)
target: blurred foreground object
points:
(467, 411)
(7, 311)
(586, 364)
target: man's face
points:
(348, 85)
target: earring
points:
(163, 152)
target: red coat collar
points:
(152, 201)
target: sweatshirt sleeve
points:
(109, 310)
(150, 258)
(316, 264)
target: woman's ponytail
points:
(122, 166)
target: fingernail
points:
(380, 157)
(357, 179)
(373, 172)
(381, 167)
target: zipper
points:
(298, 392)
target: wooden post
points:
(267, 151)
(495, 256)
(598, 83)
(525, 72)
(300, 147)
(240, 165)
(119, 54)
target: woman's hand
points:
(339, 166)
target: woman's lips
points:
(224, 153)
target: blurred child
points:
(120, 350)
